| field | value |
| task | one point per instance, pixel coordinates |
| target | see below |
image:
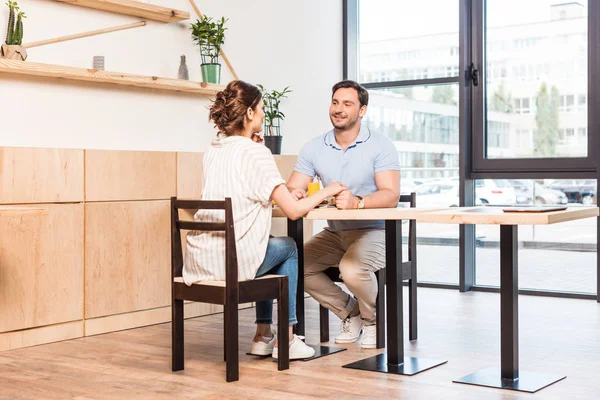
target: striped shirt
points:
(234, 167)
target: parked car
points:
(437, 194)
(577, 190)
(528, 192)
(493, 191)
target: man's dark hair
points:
(363, 95)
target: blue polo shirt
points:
(355, 167)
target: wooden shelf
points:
(134, 8)
(91, 75)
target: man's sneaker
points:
(369, 340)
(261, 348)
(298, 350)
(351, 328)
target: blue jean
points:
(281, 259)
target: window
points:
(546, 57)
(528, 118)
(545, 250)
(397, 34)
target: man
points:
(367, 164)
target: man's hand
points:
(299, 194)
(345, 200)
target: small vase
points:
(183, 70)
(13, 52)
(211, 73)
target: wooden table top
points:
(495, 216)
(454, 215)
(332, 213)
(21, 211)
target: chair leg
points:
(225, 334)
(283, 360)
(412, 306)
(177, 353)
(324, 323)
(380, 310)
(231, 343)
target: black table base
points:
(509, 376)
(529, 382)
(410, 366)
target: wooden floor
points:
(557, 336)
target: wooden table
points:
(508, 376)
(393, 361)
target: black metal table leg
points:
(509, 376)
(394, 361)
(296, 232)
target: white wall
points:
(273, 42)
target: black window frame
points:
(472, 124)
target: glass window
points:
(422, 121)
(547, 56)
(547, 253)
(407, 40)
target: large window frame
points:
(473, 163)
(525, 168)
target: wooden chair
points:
(229, 293)
(409, 272)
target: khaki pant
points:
(358, 254)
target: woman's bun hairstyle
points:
(230, 106)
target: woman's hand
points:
(334, 188)
(257, 137)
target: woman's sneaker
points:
(298, 350)
(261, 348)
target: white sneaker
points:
(369, 340)
(298, 350)
(351, 328)
(261, 348)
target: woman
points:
(237, 165)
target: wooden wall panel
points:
(127, 257)
(42, 335)
(189, 175)
(31, 175)
(129, 175)
(41, 268)
(119, 322)
(286, 165)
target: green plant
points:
(210, 36)
(14, 31)
(271, 102)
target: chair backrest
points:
(231, 266)
(409, 198)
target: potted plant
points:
(12, 48)
(209, 35)
(273, 117)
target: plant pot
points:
(211, 73)
(13, 52)
(273, 143)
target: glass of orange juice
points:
(314, 187)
